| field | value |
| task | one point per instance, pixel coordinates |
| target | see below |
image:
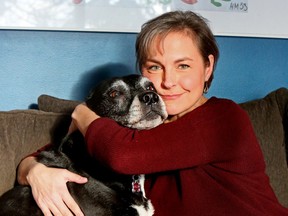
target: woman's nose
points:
(169, 79)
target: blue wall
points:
(67, 64)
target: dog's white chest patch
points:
(145, 212)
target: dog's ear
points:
(95, 95)
(96, 100)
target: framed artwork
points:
(252, 18)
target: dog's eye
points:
(150, 88)
(114, 94)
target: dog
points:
(132, 102)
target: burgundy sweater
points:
(208, 162)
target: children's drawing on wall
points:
(92, 15)
(167, 5)
(213, 5)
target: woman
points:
(204, 161)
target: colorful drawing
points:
(190, 1)
(214, 2)
(165, 2)
(217, 3)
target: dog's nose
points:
(150, 98)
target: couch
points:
(24, 131)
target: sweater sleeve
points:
(217, 131)
(38, 151)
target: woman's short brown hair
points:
(177, 21)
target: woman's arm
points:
(217, 131)
(82, 117)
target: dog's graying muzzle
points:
(150, 98)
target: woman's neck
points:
(172, 118)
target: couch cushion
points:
(21, 133)
(267, 116)
(48, 103)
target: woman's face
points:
(178, 71)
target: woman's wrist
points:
(82, 117)
(24, 169)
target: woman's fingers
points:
(47, 205)
(60, 204)
(73, 177)
(59, 207)
(45, 210)
(66, 196)
(72, 205)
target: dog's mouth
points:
(149, 120)
(163, 114)
(151, 115)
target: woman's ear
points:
(209, 67)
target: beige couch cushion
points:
(52, 104)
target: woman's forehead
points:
(157, 44)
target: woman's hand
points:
(49, 187)
(82, 117)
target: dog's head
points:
(131, 100)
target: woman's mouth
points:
(170, 96)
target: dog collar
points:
(136, 186)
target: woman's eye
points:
(154, 68)
(114, 94)
(184, 66)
